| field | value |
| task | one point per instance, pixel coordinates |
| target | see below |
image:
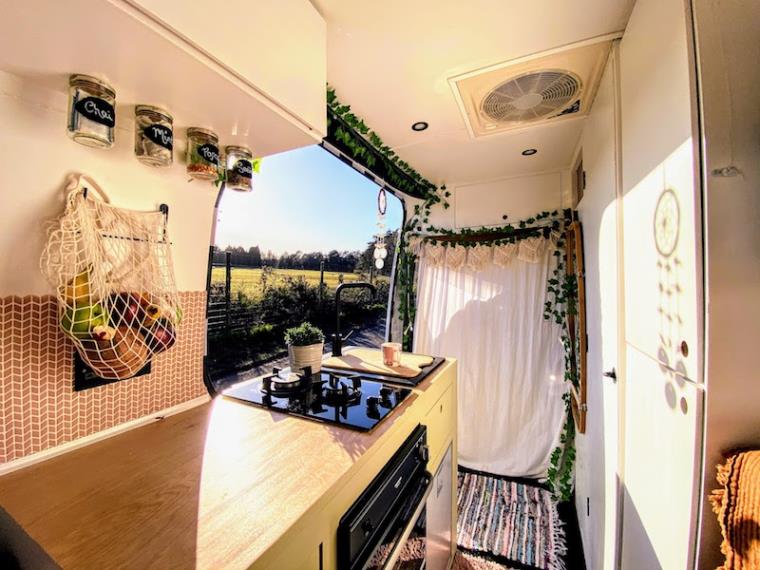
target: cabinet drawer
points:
(441, 422)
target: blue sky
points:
(307, 200)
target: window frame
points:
(207, 380)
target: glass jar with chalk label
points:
(202, 153)
(154, 135)
(239, 163)
(92, 113)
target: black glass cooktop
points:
(345, 399)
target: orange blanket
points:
(737, 505)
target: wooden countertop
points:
(211, 487)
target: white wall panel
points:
(486, 203)
(729, 51)
(36, 157)
(596, 472)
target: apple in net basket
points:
(116, 352)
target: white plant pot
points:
(302, 356)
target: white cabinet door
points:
(596, 480)
(662, 287)
(660, 205)
(660, 483)
(279, 46)
(439, 516)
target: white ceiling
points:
(391, 62)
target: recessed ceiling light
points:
(529, 152)
(420, 126)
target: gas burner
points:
(349, 400)
(276, 385)
(282, 384)
(342, 391)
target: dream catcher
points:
(381, 251)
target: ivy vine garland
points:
(366, 147)
(563, 295)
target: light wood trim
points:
(578, 182)
(574, 264)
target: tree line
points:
(334, 260)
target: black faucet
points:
(337, 347)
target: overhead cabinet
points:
(277, 45)
(253, 72)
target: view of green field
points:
(248, 280)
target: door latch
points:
(610, 374)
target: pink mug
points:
(391, 353)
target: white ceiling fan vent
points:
(550, 86)
(531, 96)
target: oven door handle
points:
(396, 552)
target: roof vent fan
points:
(549, 87)
(531, 96)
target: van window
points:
(310, 223)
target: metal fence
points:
(225, 314)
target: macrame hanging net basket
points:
(114, 280)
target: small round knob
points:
(367, 528)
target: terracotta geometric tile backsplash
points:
(38, 406)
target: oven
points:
(386, 526)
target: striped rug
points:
(468, 561)
(512, 523)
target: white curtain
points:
(485, 307)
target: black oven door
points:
(386, 513)
(404, 546)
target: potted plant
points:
(305, 347)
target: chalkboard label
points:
(209, 153)
(160, 135)
(97, 110)
(244, 168)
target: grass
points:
(248, 280)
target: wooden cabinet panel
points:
(439, 422)
(279, 46)
(440, 506)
